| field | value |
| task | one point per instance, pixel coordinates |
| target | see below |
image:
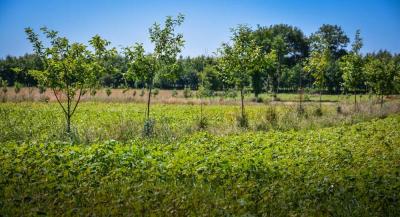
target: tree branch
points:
(59, 102)
(76, 104)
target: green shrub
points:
(306, 98)
(4, 85)
(187, 92)
(84, 91)
(339, 109)
(257, 99)
(301, 111)
(271, 115)
(276, 98)
(318, 112)
(93, 92)
(17, 87)
(45, 99)
(242, 121)
(42, 89)
(108, 91)
(148, 128)
(231, 94)
(156, 91)
(202, 123)
(174, 93)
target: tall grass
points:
(98, 121)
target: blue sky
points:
(206, 25)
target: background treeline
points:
(293, 52)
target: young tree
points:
(239, 60)
(334, 39)
(318, 64)
(280, 47)
(397, 76)
(202, 92)
(162, 62)
(69, 68)
(381, 73)
(351, 66)
(4, 88)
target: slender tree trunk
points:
(277, 82)
(148, 103)
(381, 101)
(201, 108)
(355, 101)
(277, 77)
(68, 113)
(68, 118)
(301, 99)
(242, 102)
(300, 93)
(320, 98)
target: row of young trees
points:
(275, 58)
(71, 69)
(246, 62)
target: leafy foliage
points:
(312, 173)
(69, 68)
(161, 63)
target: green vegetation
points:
(95, 122)
(330, 63)
(161, 63)
(339, 171)
(192, 154)
(69, 69)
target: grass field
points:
(98, 121)
(285, 163)
(339, 171)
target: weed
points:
(108, 91)
(148, 128)
(187, 92)
(242, 121)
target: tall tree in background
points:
(203, 91)
(69, 68)
(239, 60)
(381, 73)
(161, 63)
(397, 76)
(318, 65)
(280, 47)
(351, 66)
(290, 45)
(332, 38)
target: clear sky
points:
(207, 22)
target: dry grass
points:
(166, 97)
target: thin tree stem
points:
(242, 101)
(148, 103)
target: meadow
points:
(98, 119)
(338, 163)
(348, 170)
